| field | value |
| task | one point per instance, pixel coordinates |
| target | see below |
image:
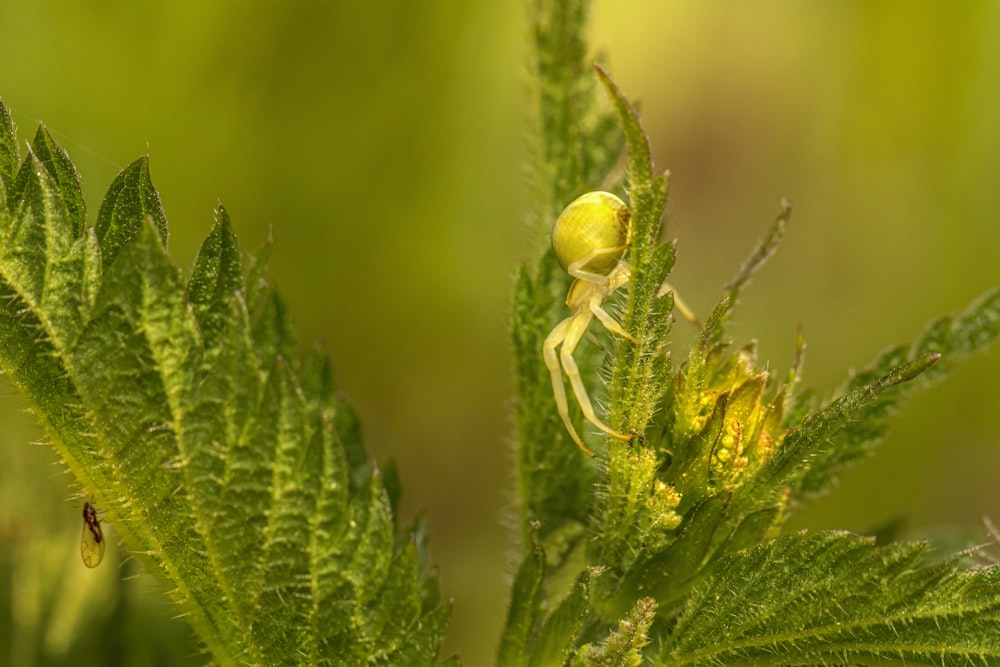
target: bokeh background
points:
(382, 144)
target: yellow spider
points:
(589, 238)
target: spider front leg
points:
(577, 269)
(610, 323)
(552, 341)
(568, 334)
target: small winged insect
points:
(92, 543)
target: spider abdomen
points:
(591, 222)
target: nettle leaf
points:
(639, 375)
(227, 466)
(525, 600)
(531, 637)
(836, 598)
(8, 150)
(130, 199)
(950, 338)
(576, 145)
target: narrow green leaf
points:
(129, 200)
(668, 574)
(577, 143)
(217, 275)
(764, 251)
(9, 154)
(393, 485)
(640, 162)
(558, 633)
(835, 598)
(951, 338)
(521, 615)
(810, 440)
(348, 432)
(639, 375)
(270, 328)
(40, 234)
(955, 338)
(421, 646)
(66, 179)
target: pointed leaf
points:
(524, 602)
(639, 375)
(952, 338)
(9, 154)
(812, 440)
(835, 598)
(66, 180)
(763, 252)
(128, 201)
(558, 633)
(217, 276)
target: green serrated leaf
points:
(639, 375)
(63, 172)
(9, 154)
(128, 201)
(558, 634)
(217, 276)
(578, 144)
(810, 440)
(835, 598)
(951, 338)
(270, 328)
(526, 593)
(179, 410)
(40, 232)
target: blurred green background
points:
(383, 146)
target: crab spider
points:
(589, 238)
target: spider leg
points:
(679, 304)
(593, 339)
(577, 271)
(577, 325)
(552, 341)
(610, 323)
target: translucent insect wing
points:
(92, 542)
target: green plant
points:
(675, 538)
(231, 469)
(227, 465)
